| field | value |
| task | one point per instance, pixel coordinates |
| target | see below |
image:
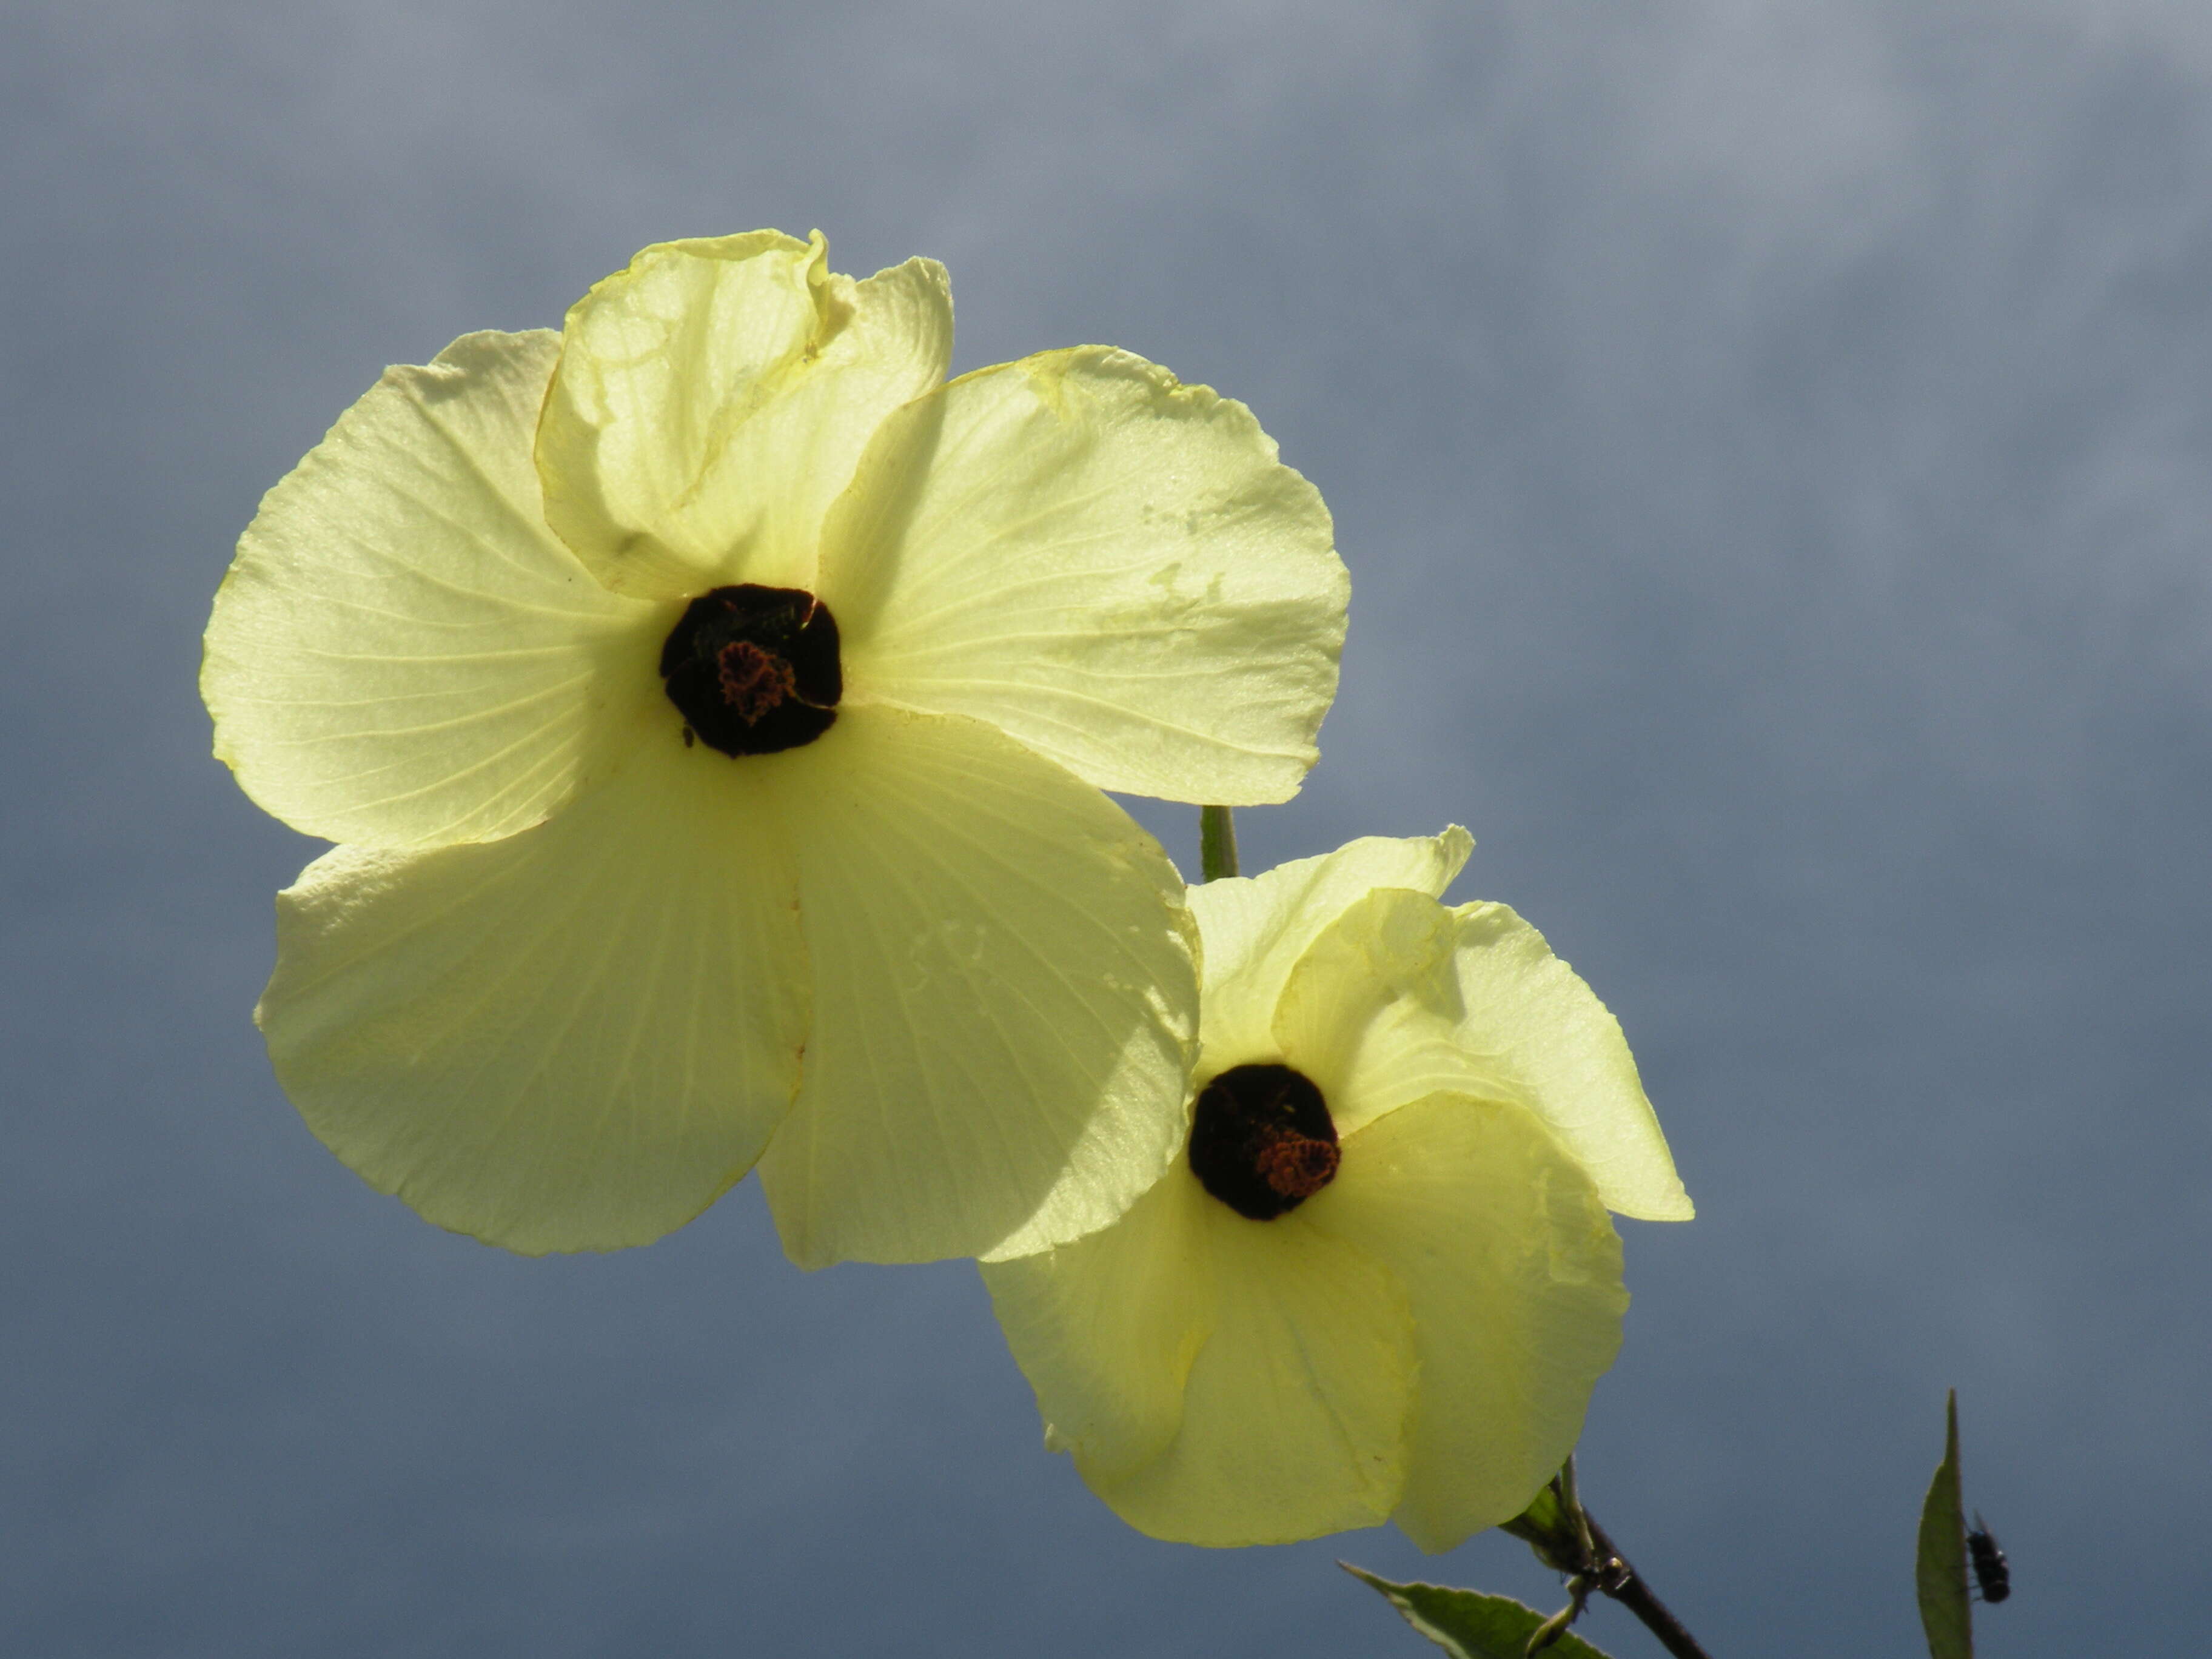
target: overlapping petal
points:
(1106, 1328)
(1399, 998)
(403, 654)
(1257, 928)
(1295, 1412)
(1370, 1009)
(1085, 553)
(1297, 1361)
(1512, 1273)
(574, 1038)
(714, 398)
(1525, 1004)
(1004, 988)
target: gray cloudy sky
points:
(1770, 444)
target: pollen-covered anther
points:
(753, 681)
(1296, 1166)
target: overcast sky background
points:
(1769, 443)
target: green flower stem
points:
(1548, 1633)
(1567, 1537)
(1217, 842)
(1571, 1501)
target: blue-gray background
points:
(1770, 442)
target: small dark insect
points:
(1992, 1571)
(689, 737)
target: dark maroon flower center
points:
(1262, 1140)
(754, 670)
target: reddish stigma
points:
(753, 681)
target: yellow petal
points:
(1004, 997)
(1106, 1328)
(1373, 1012)
(1295, 1410)
(1256, 928)
(1111, 566)
(1512, 1272)
(714, 398)
(1567, 1047)
(1219, 1381)
(574, 1038)
(402, 654)
(1401, 997)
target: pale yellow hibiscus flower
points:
(712, 706)
(1382, 1282)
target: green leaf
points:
(1469, 1625)
(1942, 1570)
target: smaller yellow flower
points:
(1382, 1282)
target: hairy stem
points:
(1567, 1538)
(1621, 1582)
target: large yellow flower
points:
(712, 705)
(1382, 1283)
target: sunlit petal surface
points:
(1512, 1272)
(1400, 998)
(1106, 1328)
(1297, 1367)
(575, 1038)
(1257, 928)
(1567, 1049)
(1109, 565)
(1004, 990)
(403, 654)
(1294, 1417)
(1371, 1011)
(714, 398)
